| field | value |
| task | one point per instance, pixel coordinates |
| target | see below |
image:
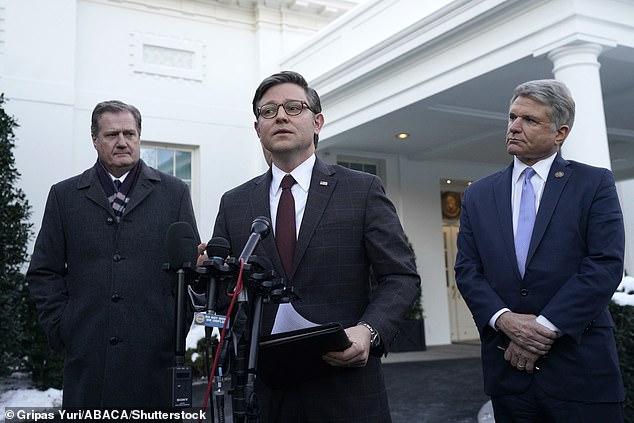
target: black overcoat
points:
(101, 293)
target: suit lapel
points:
(557, 179)
(144, 186)
(260, 206)
(502, 198)
(322, 185)
(94, 192)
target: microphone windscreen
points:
(218, 247)
(181, 244)
(261, 226)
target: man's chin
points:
(513, 150)
(124, 165)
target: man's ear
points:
(561, 134)
(319, 122)
(257, 128)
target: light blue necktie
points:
(526, 220)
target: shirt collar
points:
(302, 174)
(542, 167)
(121, 178)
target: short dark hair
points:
(113, 106)
(314, 103)
(552, 93)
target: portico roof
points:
(445, 74)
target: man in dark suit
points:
(96, 272)
(345, 230)
(540, 253)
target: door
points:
(463, 328)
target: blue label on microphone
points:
(209, 319)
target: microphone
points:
(215, 269)
(218, 249)
(182, 246)
(260, 228)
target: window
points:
(173, 161)
(375, 167)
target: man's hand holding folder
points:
(289, 358)
(356, 355)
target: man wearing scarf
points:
(96, 271)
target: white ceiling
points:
(468, 121)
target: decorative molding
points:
(625, 134)
(467, 111)
(312, 14)
(167, 57)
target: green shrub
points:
(45, 365)
(416, 312)
(196, 358)
(624, 331)
(23, 346)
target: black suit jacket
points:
(349, 227)
(574, 265)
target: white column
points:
(577, 66)
(626, 193)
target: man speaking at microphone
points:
(96, 272)
(334, 230)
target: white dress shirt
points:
(542, 168)
(287, 318)
(302, 175)
(121, 178)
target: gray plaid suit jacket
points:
(350, 234)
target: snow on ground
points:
(16, 391)
(28, 397)
(624, 294)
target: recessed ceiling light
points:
(402, 135)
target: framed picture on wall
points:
(450, 201)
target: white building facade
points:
(442, 71)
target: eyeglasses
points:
(292, 108)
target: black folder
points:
(289, 358)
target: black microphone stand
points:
(264, 287)
(215, 270)
(209, 353)
(244, 334)
(181, 243)
(180, 375)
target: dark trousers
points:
(536, 406)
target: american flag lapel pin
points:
(323, 183)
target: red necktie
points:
(285, 224)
